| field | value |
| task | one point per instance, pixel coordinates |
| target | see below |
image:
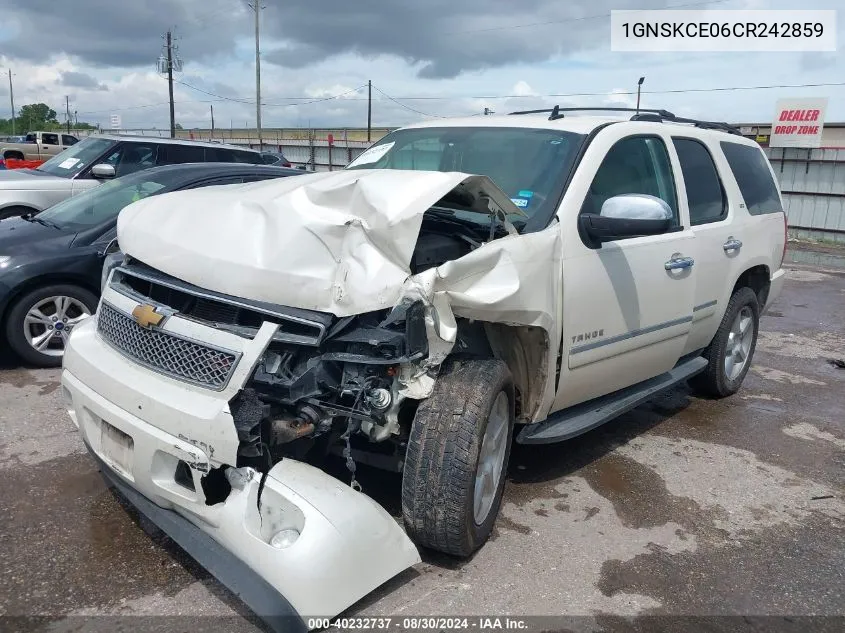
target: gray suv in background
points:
(98, 158)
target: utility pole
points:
(369, 109)
(170, 84)
(256, 6)
(212, 120)
(12, 98)
(67, 112)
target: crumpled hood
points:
(338, 242)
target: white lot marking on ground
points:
(742, 494)
(575, 533)
(805, 275)
(781, 376)
(40, 428)
(821, 345)
(806, 431)
(762, 396)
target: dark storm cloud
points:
(73, 79)
(445, 37)
(120, 33)
(442, 37)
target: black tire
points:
(438, 481)
(15, 212)
(15, 334)
(714, 381)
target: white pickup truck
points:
(462, 283)
(38, 146)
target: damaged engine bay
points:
(326, 383)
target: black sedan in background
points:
(51, 263)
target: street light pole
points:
(639, 85)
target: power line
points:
(407, 107)
(581, 19)
(294, 101)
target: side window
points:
(177, 154)
(131, 157)
(751, 170)
(637, 164)
(251, 158)
(49, 139)
(219, 155)
(705, 193)
(68, 140)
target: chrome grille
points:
(164, 352)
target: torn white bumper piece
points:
(347, 545)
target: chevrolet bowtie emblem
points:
(146, 315)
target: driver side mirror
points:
(626, 215)
(103, 171)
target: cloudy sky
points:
(432, 57)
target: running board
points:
(574, 421)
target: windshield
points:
(76, 158)
(529, 165)
(104, 202)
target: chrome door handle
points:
(677, 263)
(732, 245)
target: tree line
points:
(35, 117)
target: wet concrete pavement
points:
(683, 506)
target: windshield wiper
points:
(35, 218)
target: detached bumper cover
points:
(256, 592)
(347, 545)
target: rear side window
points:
(50, 139)
(252, 158)
(228, 155)
(705, 194)
(177, 154)
(751, 170)
(67, 140)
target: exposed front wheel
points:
(457, 456)
(40, 322)
(729, 353)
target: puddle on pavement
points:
(70, 544)
(638, 494)
(719, 579)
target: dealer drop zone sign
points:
(798, 123)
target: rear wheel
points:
(39, 323)
(729, 353)
(457, 456)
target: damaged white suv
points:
(458, 280)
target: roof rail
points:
(640, 114)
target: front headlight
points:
(110, 262)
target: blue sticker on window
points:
(520, 202)
(526, 194)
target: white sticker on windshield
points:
(68, 163)
(372, 155)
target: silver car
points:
(99, 158)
